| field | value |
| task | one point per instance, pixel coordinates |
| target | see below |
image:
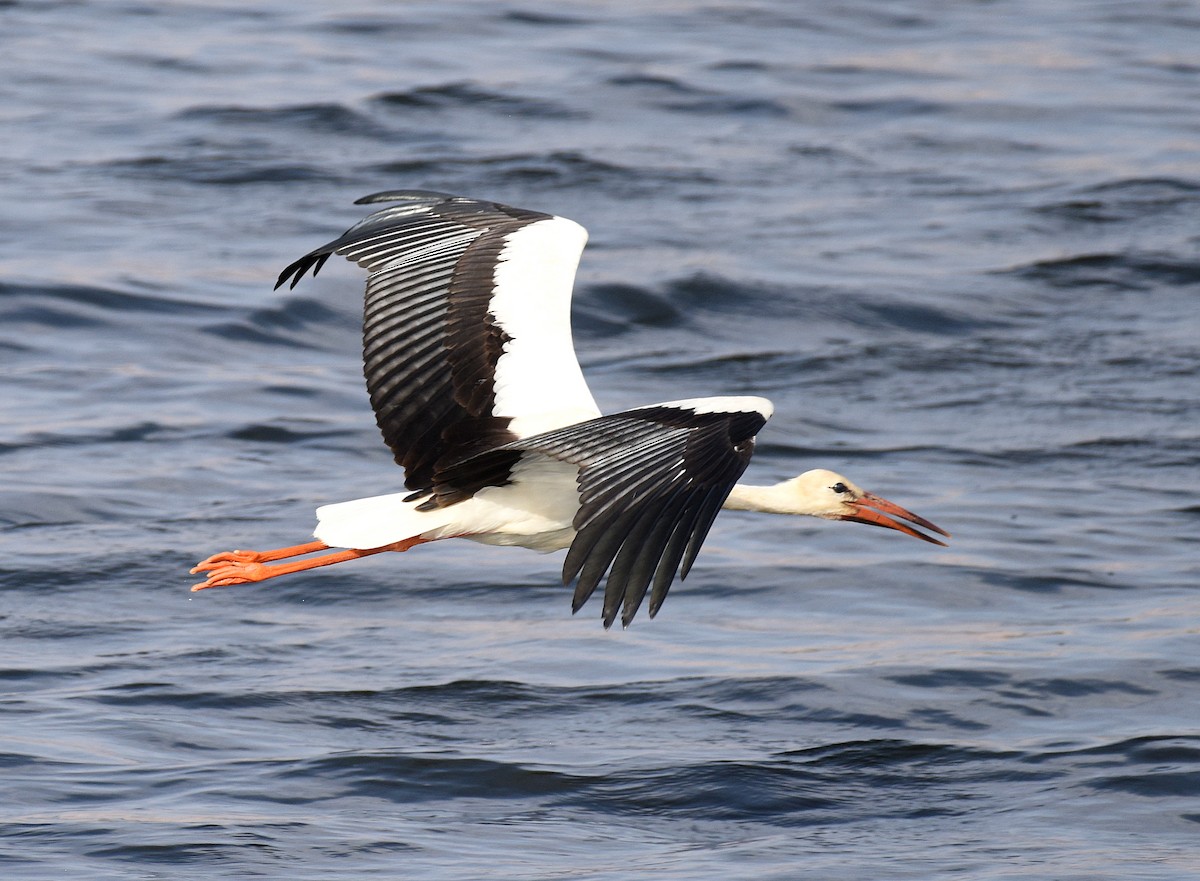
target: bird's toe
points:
(225, 574)
(226, 557)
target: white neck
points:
(775, 499)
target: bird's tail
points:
(377, 521)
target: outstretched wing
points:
(651, 481)
(467, 324)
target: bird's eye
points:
(840, 488)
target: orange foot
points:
(243, 567)
(228, 557)
(231, 567)
(258, 556)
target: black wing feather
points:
(429, 372)
(651, 482)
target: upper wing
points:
(467, 324)
(651, 482)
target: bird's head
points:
(829, 495)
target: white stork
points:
(477, 391)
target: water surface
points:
(954, 243)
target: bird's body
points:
(477, 391)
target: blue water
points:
(956, 243)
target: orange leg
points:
(244, 567)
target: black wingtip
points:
(295, 271)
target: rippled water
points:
(955, 243)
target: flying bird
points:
(476, 388)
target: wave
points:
(706, 296)
(1127, 200)
(325, 118)
(568, 167)
(464, 94)
(730, 105)
(274, 433)
(294, 322)
(73, 305)
(653, 83)
(1125, 270)
(225, 168)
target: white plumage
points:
(476, 388)
(538, 380)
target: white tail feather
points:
(376, 521)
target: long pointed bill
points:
(874, 510)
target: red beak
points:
(874, 510)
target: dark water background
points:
(956, 243)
